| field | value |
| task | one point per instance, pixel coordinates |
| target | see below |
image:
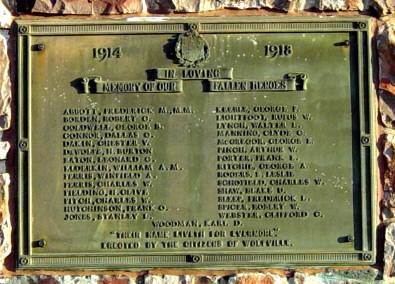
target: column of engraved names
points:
(258, 168)
(107, 164)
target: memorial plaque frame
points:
(364, 206)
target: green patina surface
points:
(202, 143)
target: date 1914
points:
(104, 53)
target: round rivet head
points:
(193, 258)
(23, 145)
(366, 256)
(23, 260)
(362, 25)
(40, 46)
(365, 140)
(22, 29)
(193, 27)
(41, 243)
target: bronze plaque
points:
(195, 142)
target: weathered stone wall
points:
(84, 7)
(385, 82)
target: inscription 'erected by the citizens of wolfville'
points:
(212, 143)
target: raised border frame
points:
(359, 26)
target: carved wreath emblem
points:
(191, 48)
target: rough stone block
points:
(162, 279)
(387, 109)
(5, 83)
(332, 5)
(164, 6)
(388, 202)
(381, 7)
(244, 4)
(258, 278)
(115, 280)
(5, 220)
(389, 251)
(202, 280)
(389, 178)
(196, 6)
(5, 14)
(386, 51)
(69, 279)
(47, 280)
(88, 7)
(4, 147)
(335, 276)
(355, 5)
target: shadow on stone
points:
(160, 6)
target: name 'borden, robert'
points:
(195, 143)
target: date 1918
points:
(104, 53)
(278, 50)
